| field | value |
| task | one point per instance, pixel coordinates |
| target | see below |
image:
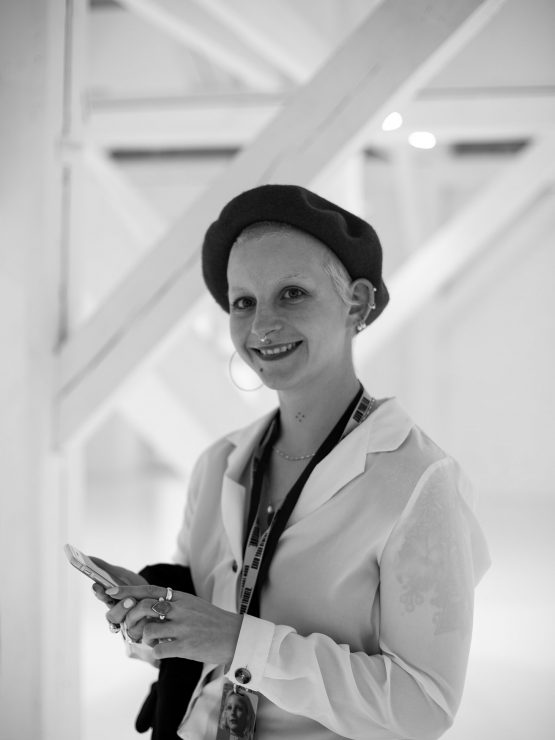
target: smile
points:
(276, 352)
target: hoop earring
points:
(235, 383)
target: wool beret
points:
(352, 239)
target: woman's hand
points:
(193, 628)
(117, 609)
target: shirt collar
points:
(387, 427)
(385, 430)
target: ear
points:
(363, 302)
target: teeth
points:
(276, 350)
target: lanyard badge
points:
(237, 714)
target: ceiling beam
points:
(382, 63)
(234, 121)
(165, 419)
(450, 250)
(137, 214)
(161, 419)
(189, 23)
(276, 33)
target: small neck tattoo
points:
(299, 416)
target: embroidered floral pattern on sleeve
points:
(432, 566)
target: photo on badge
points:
(237, 713)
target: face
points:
(236, 714)
(278, 285)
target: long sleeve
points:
(412, 687)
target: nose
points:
(265, 321)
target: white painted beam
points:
(203, 122)
(189, 23)
(137, 214)
(479, 115)
(235, 121)
(382, 63)
(160, 418)
(275, 32)
(459, 241)
(39, 676)
(163, 418)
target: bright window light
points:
(392, 121)
(422, 140)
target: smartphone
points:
(83, 563)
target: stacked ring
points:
(128, 637)
(162, 608)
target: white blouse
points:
(366, 616)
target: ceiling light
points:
(392, 121)
(422, 140)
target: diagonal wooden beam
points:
(384, 61)
(160, 418)
(276, 32)
(169, 421)
(189, 23)
(139, 217)
(450, 250)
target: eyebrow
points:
(282, 279)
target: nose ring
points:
(265, 339)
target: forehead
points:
(277, 250)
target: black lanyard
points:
(282, 515)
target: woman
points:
(237, 716)
(331, 543)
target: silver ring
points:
(114, 628)
(169, 593)
(162, 608)
(128, 637)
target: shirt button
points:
(234, 566)
(243, 675)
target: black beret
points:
(352, 239)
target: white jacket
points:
(366, 617)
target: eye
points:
(242, 304)
(293, 293)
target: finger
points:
(119, 611)
(167, 648)
(104, 564)
(137, 592)
(100, 594)
(154, 632)
(144, 610)
(136, 626)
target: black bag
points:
(167, 702)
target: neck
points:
(307, 417)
